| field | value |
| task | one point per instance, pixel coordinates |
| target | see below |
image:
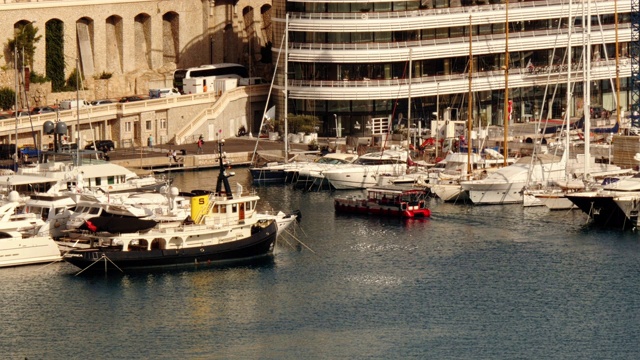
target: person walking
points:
(200, 143)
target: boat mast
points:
(409, 100)
(587, 89)
(469, 101)
(618, 107)
(223, 178)
(264, 114)
(506, 83)
(570, 68)
(286, 89)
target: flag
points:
(271, 113)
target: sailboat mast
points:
(570, 69)
(618, 107)
(587, 90)
(469, 100)
(264, 113)
(506, 83)
(286, 89)
(409, 98)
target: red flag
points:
(91, 227)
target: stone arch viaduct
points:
(139, 43)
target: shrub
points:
(7, 98)
(36, 78)
(74, 81)
(103, 76)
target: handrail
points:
(424, 12)
(217, 107)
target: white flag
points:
(271, 113)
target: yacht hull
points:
(16, 251)
(261, 242)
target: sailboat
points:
(581, 171)
(452, 190)
(274, 172)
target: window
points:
(127, 126)
(163, 124)
(148, 125)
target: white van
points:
(160, 93)
(71, 104)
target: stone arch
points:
(171, 37)
(114, 40)
(85, 41)
(265, 13)
(54, 53)
(249, 54)
(142, 42)
(231, 53)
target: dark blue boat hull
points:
(258, 244)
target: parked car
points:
(101, 102)
(100, 145)
(161, 93)
(42, 109)
(21, 113)
(131, 98)
(72, 104)
(29, 150)
(70, 146)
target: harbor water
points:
(490, 282)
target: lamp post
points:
(15, 63)
(78, 114)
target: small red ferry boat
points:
(386, 200)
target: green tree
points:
(7, 98)
(26, 36)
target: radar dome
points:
(48, 127)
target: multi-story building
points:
(351, 61)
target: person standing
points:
(200, 143)
(150, 141)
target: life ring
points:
(365, 16)
(110, 187)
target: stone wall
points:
(204, 31)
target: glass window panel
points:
(456, 31)
(386, 6)
(484, 29)
(339, 105)
(364, 37)
(399, 6)
(383, 36)
(383, 105)
(442, 33)
(362, 105)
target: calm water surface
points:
(495, 282)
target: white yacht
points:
(365, 170)
(505, 185)
(21, 239)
